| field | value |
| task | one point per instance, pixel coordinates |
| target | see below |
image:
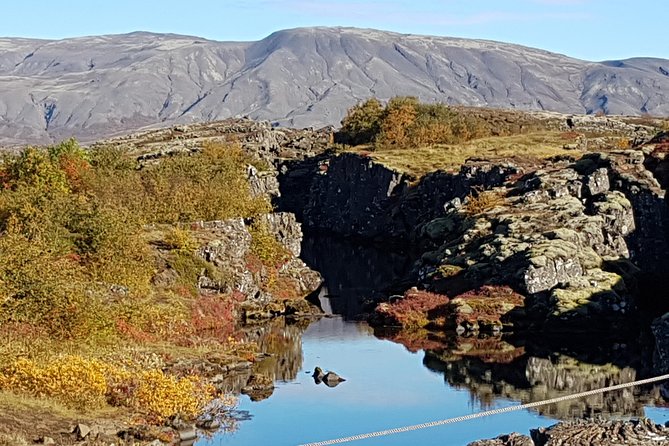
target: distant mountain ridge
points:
(95, 87)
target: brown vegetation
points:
(78, 259)
(480, 201)
(416, 309)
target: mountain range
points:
(100, 86)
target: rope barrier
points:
(486, 413)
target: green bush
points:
(72, 228)
(362, 123)
(41, 288)
(405, 122)
(209, 185)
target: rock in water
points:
(318, 375)
(330, 379)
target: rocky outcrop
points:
(259, 139)
(588, 433)
(660, 328)
(483, 310)
(571, 235)
(649, 242)
(550, 235)
(226, 246)
(353, 196)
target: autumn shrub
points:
(180, 239)
(110, 245)
(406, 122)
(483, 200)
(361, 124)
(44, 288)
(265, 246)
(72, 380)
(161, 396)
(86, 383)
(398, 119)
(72, 227)
(416, 309)
(485, 306)
(205, 186)
(214, 314)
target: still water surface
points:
(388, 386)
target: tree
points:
(400, 114)
(361, 123)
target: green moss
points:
(447, 270)
(265, 246)
(578, 294)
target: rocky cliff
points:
(582, 239)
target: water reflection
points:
(356, 276)
(396, 378)
(522, 368)
(491, 368)
(281, 341)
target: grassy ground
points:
(519, 148)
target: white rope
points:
(487, 413)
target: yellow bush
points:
(180, 239)
(86, 383)
(161, 396)
(73, 380)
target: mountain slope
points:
(93, 87)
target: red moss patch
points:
(416, 309)
(484, 307)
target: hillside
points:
(93, 87)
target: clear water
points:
(388, 386)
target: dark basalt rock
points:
(506, 440)
(588, 433)
(353, 196)
(330, 379)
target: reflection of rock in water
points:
(258, 387)
(282, 340)
(531, 379)
(452, 347)
(356, 276)
(493, 367)
(337, 328)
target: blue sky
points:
(588, 29)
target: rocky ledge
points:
(588, 433)
(571, 239)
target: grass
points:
(529, 147)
